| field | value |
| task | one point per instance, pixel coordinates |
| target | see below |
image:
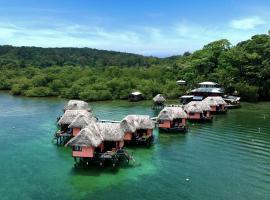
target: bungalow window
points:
(191, 114)
(77, 148)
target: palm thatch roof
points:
(197, 107)
(77, 105)
(171, 113)
(95, 133)
(87, 137)
(70, 115)
(111, 131)
(159, 98)
(82, 120)
(215, 101)
(131, 123)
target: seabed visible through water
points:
(226, 159)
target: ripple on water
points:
(226, 159)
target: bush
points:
(247, 92)
(95, 95)
(38, 92)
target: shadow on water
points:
(93, 170)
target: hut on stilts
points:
(158, 102)
(138, 129)
(217, 104)
(135, 96)
(80, 122)
(77, 105)
(172, 119)
(198, 111)
(65, 133)
(99, 143)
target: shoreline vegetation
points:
(95, 75)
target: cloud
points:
(247, 23)
(147, 40)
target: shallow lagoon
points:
(226, 159)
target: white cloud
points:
(158, 41)
(247, 23)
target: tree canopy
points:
(91, 74)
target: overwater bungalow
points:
(198, 111)
(138, 129)
(158, 101)
(77, 105)
(65, 133)
(135, 96)
(172, 119)
(99, 143)
(81, 121)
(217, 104)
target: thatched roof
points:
(70, 115)
(77, 105)
(197, 106)
(111, 131)
(82, 120)
(159, 98)
(95, 133)
(89, 136)
(171, 113)
(215, 101)
(131, 123)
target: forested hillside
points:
(86, 57)
(91, 74)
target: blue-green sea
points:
(226, 159)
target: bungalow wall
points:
(149, 132)
(223, 108)
(114, 145)
(169, 124)
(194, 115)
(165, 124)
(184, 121)
(128, 136)
(75, 131)
(84, 152)
(213, 108)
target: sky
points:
(148, 27)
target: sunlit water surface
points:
(226, 159)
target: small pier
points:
(61, 137)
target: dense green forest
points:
(91, 74)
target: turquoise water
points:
(226, 159)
